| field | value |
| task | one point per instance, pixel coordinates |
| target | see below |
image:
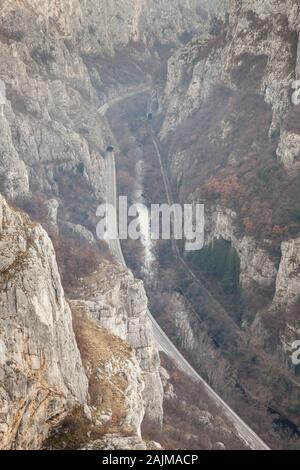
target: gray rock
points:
(78, 231)
(52, 207)
(118, 302)
(42, 368)
(116, 442)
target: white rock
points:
(43, 369)
(2, 353)
(118, 302)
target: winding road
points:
(131, 92)
(245, 433)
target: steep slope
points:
(57, 390)
(115, 409)
(57, 60)
(228, 96)
(42, 375)
(229, 136)
(118, 302)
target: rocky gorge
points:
(237, 61)
(229, 129)
(79, 366)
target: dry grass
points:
(107, 389)
(97, 347)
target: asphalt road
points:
(132, 92)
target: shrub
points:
(42, 56)
(296, 215)
(76, 259)
(221, 261)
(35, 206)
(80, 168)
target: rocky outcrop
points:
(77, 231)
(48, 372)
(288, 150)
(112, 416)
(256, 264)
(277, 327)
(57, 68)
(40, 366)
(236, 33)
(286, 301)
(288, 279)
(115, 442)
(118, 302)
(115, 378)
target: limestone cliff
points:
(61, 60)
(56, 58)
(42, 375)
(223, 73)
(228, 118)
(59, 367)
(118, 302)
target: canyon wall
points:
(42, 375)
(228, 119)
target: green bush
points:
(296, 215)
(80, 168)
(221, 261)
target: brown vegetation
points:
(191, 420)
(241, 172)
(75, 257)
(97, 348)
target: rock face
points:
(137, 21)
(115, 378)
(239, 50)
(286, 299)
(119, 303)
(260, 28)
(41, 370)
(57, 68)
(57, 72)
(288, 279)
(288, 150)
(44, 376)
(256, 264)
